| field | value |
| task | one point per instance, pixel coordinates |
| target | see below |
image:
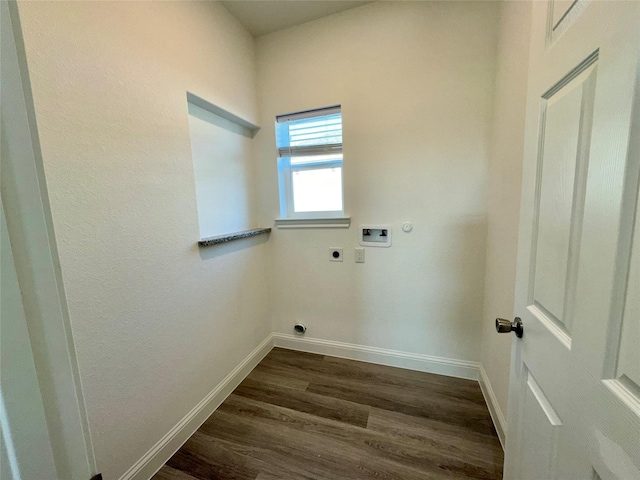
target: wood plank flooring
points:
(305, 416)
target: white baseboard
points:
(492, 403)
(158, 455)
(393, 358)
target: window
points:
(310, 163)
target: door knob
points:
(505, 326)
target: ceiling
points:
(260, 17)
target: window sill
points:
(340, 222)
(229, 237)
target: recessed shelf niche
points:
(221, 154)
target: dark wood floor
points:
(305, 416)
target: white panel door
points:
(574, 399)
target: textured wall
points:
(415, 80)
(505, 172)
(157, 323)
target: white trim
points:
(381, 356)
(494, 407)
(338, 222)
(162, 451)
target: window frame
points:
(286, 170)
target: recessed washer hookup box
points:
(374, 236)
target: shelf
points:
(230, 237)
(251, 128)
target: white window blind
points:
(309, 133)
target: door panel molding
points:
(626, 391)
(561, 17)
(542, 425)
(558, 213)
(628, 253)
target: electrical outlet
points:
(359, 255)
(335, 254)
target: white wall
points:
(157, 323)
(415, 81)
(505, 171)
